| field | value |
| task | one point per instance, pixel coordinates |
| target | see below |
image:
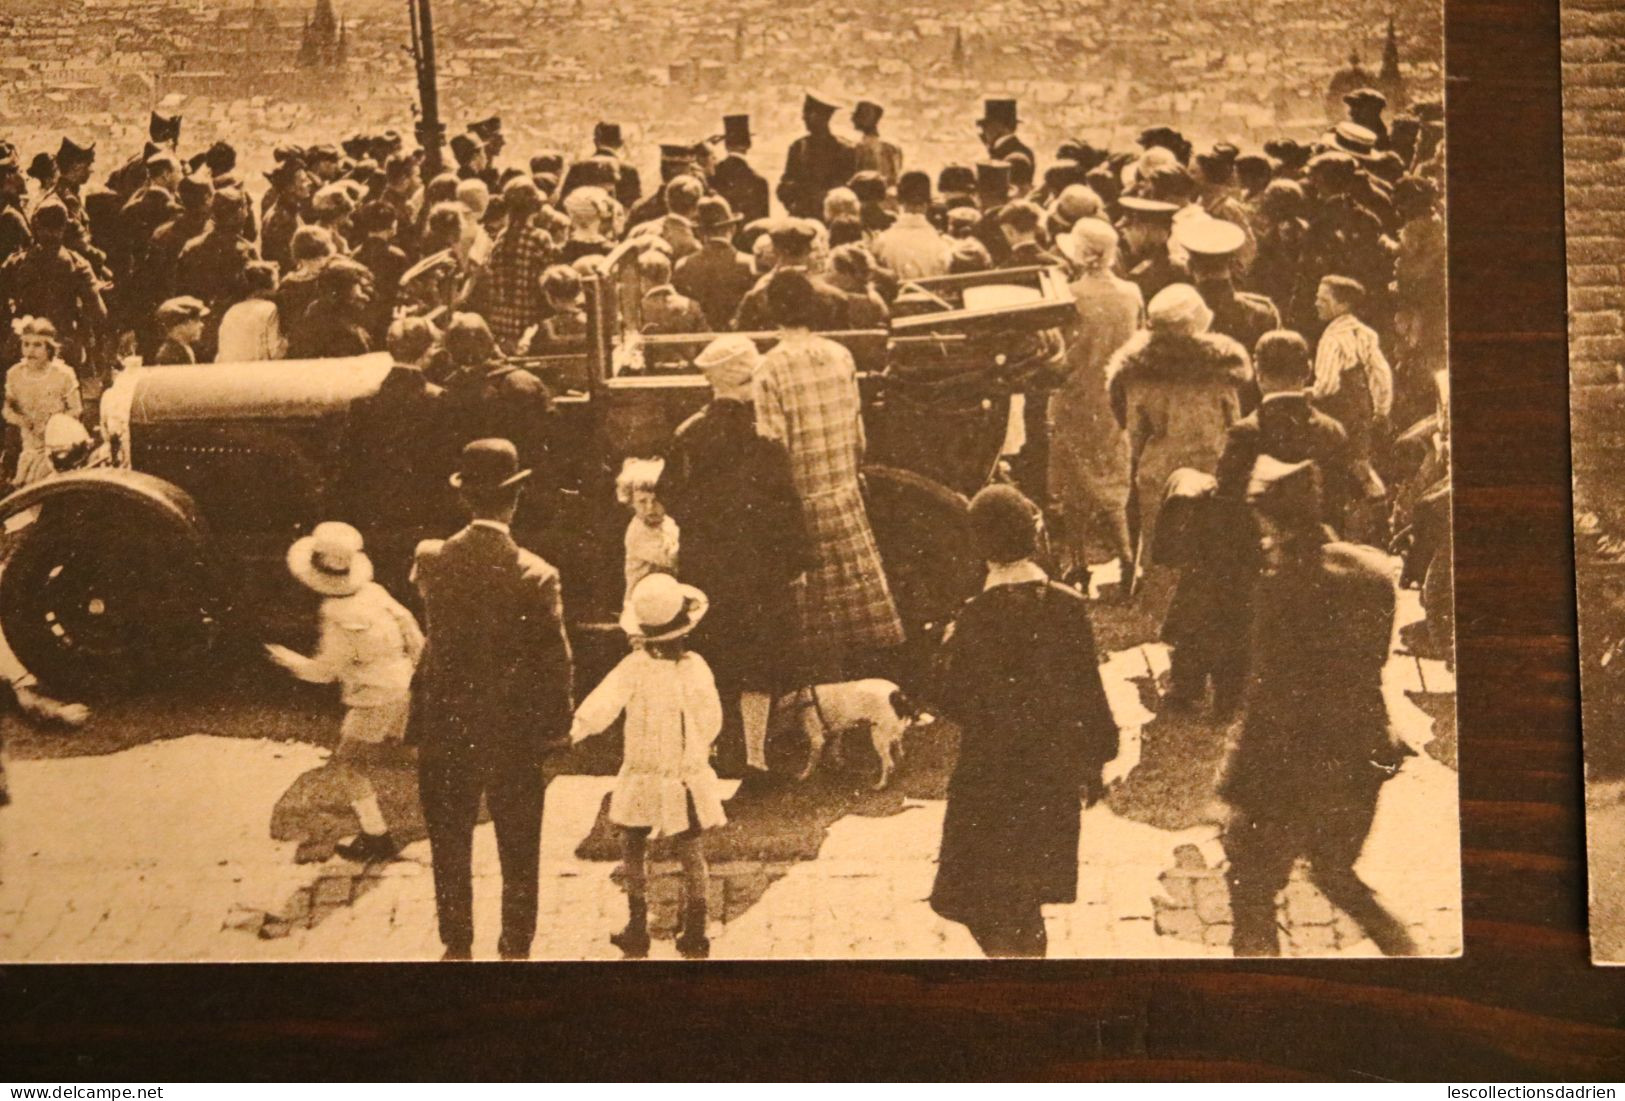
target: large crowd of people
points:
(1253, 330)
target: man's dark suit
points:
(493, 697)
(717, 277)
(745, 189)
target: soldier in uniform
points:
(997, 126)
(818, 162)
(874, 154)
(733, 178)
(1147, 226)
(1213, 247)
(14, 235)
(792, 246)
(1315, 746)
(73, 164)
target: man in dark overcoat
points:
(493, 697)
(1021, 679)
(818, 160)
(718, 276)
(1314, 746)
(734, 179)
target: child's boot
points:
(633, 941)
(692, 943)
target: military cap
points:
(608, 135)
(1000, 111)
(178, 310)
(42, 167)
(867, 113)
(957, 177)
(1209, 237)
(487, 128)
(914, 188)
(1353, 138)
(1147, 209)
(70, 153)
(1366, 97)
(820, 102)
(736, 129)
(164, 129)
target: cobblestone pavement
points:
(160, 851)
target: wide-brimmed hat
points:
(661, 608)
(713, 212)
(329, 560)
(487, 465)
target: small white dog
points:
(831, 711)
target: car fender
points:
(164, 503)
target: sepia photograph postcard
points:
(1594, 185)
(577, 480)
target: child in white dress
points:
(651, 536)
(38, 387)
(666, 786)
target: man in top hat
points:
(818, 160)
(874, 154)
(1213, 249)
(1314, 747)
(494, 697)
(992, 193)
(1147, 225)
(997, 127)
(733, 178)
(1365, 106)
(718, 276)
(14, 234)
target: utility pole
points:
(431, 133)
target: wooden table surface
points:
(1524, 1002)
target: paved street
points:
(160, 850)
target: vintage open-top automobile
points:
(118, 575)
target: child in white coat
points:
(666, 786)
(370, 644)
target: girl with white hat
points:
(666, 786)
(370, 645)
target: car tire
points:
(99, 600)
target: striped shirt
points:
(1346, 344)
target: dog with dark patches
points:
(829, 712)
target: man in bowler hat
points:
(493, 698)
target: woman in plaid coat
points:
(806, 395)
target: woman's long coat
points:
(1022, 681)
(729, 490)
(1176, 396)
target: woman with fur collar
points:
(1173, 388)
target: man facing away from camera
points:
(1314, 747)
(493, 698)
